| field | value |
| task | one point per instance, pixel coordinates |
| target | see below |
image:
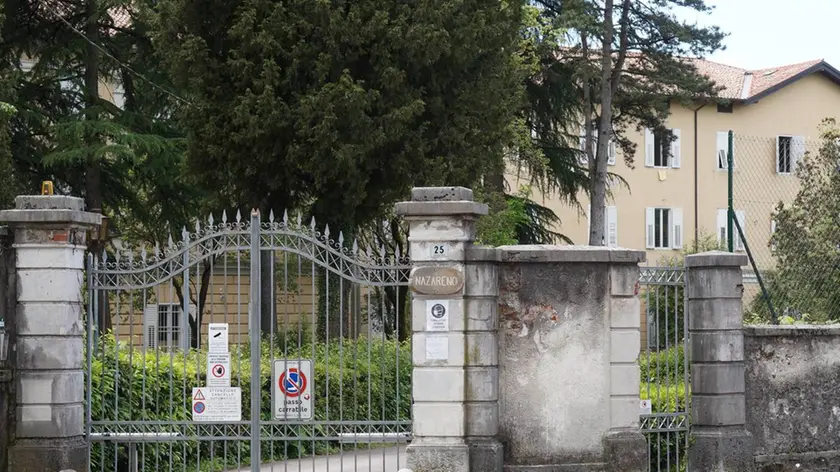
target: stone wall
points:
(793, 396)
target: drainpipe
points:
(696, 185)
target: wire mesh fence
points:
(786, 205)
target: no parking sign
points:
(292, 389)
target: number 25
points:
(438, 250)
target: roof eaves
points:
(821, 67)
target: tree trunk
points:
(598, 192)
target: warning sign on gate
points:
(292, 391)
(216, 404)
(218, 370)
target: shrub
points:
(354, 380)
(663, 367)
(667, 450)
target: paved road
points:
(374, 460)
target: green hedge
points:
(662, 375)
(129, 385)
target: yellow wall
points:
(796, 110)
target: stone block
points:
(34, 387)
(422, 457)
(48, 285)
(49, 352)
(717, 378)
(715, 314)
(49, 202)
(43, 219)
(482, 419)
(715, 283)
(419, 312)
(625, 345)
(482, 384)
(435, 210)
(717, 346)
(50, 421)
(45, 455)
(716, 259)
(718, 410)
(455, 347)
(441, 228)
(438, 384)
(482, 349)
(40, 256)
(624, 379)
(625, 312)
(724, 450)
(626, 450)
(481, 313)
(441, 194)
(481, 280)
(482, 254)
(624, 280)
(486, 455)
(568, 253)
(439, 420)
(437, 251)
(624, 411)
(50, 319)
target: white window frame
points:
(675, 230)
(722, 146)
(674, 160)
(723, 227)
(152, 329)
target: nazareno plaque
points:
(436, 280)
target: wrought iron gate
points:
(284, 293)
(664, 367)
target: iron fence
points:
(665, 387)
(248, 345)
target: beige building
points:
(673, 199)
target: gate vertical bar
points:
(254, 334)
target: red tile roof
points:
(744, 84)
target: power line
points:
(111, 56)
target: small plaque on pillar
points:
(437, 280)
(437, 348)
(437, 315)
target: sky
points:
(767, 33)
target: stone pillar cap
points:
(441, 201)
(716, 259)
(49, 209)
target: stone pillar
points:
(49, 239)
(569, 377)
(453, 357)
(718, 411)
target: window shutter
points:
(742, 221)
(650, 227)
(676, 159)
(150, 327)
(721, 226)
(119, 97)
(797, 151)
(677, 228)
(722, 148)
(649, 142)
(772, 233)
(611, 153)
(611, 226)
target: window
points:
(582, 147)
(163, 326)
(724, 107)
(789, 149)
(658, 154)
(723, 227)
(722, 149)
(610, 226)
(663, 228)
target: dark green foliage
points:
(354, 381)
(341, 106)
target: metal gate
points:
(248, 345)
(664, 368)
